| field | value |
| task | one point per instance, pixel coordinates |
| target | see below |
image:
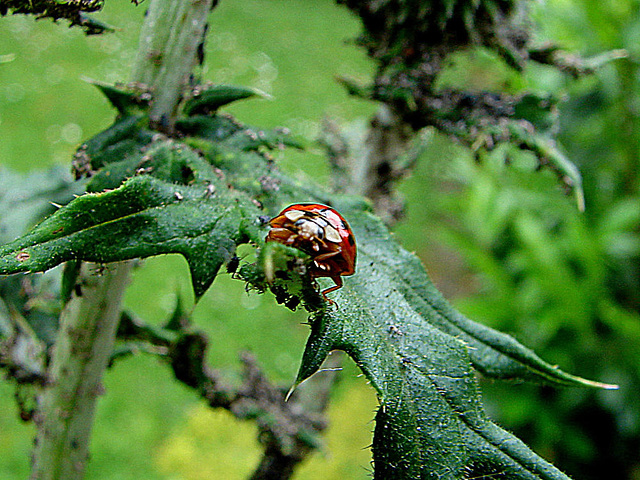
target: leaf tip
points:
(605, 386)
(290, 392)
(89, 80)
(263, 94)
(593, 384)
(579, 195)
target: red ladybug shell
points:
(321, 232)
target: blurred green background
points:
(503, 242)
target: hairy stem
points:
(169, 43)
(372, 164)
(169, 40)
(388, 139)
(82, 351)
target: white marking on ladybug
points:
(332, 234)
(294, 215)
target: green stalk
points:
(82, 351)
(169, 39)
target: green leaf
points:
(234, 136)
(126, 138)
(127, 99)
(214, 128)
(167, 160)
(91, 26)
(208, 99)
(144, 217)
(417, 352)
(128, 148)
(159, 196)
(548, 152)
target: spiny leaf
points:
(548, 153)
(403, 284)
(128, 136)
(417, 352)
(208, 99)
(234, 136)
(144, 217)
(128, 148)
(164, 159)
(127, 99)
(214, 128)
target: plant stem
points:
(371, 164)
(169, 41)
(82, 351)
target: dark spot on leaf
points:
(292, 303)
(187, 175)
(233, 264)
(395, 331)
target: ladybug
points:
(321, 232)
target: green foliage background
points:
(530, 264)
(520, 237)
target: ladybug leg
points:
(320, 262)
(282, 235)
(338, 285)
(324, 256)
